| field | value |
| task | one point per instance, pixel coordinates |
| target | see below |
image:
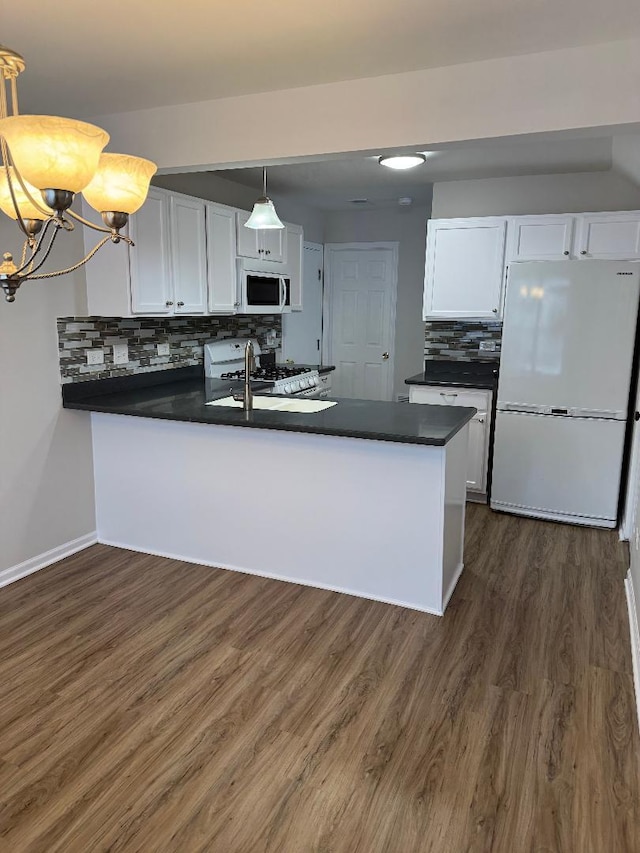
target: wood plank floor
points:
(150, 705)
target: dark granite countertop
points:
(182, 396)
(463, 374)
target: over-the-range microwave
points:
(263, 291)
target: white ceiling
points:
(332, 184)
(88, 58)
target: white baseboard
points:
(14, 573)
(634, 630)
(276, 577)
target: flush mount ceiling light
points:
(402, 161)
(263, 216)
(46, 160)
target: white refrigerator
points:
(563, 393)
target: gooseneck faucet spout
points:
(249, 363)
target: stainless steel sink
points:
(278, 404)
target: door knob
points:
(636, 416)
(566, 252)
(583, 252)
(168, 303)
(385, 356)
(181, 304)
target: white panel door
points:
(568, 335)
(464, 268)
(302, 332)
(151, 289)
(539, 238)
(562, 466)
(188, 255)
(362, 317)
(609, 236)
(221, 260)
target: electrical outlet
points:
(95, 356)
(120, 353)
(163, 349)
(488, 346)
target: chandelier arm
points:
(37, 248)
(87, 222)
(14, 94)
(73, 268)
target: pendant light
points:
(263, 216)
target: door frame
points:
(331, 251)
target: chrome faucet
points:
(249, 363)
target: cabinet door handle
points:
(480, 420)
(583, 251)
(566, 252)
(180, 304)
(168, 303)
(494, 310)
(268, 251)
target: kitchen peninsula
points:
(366, 498)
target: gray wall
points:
(407, 226)
(531, 194)
(213, 187)
(46, 463)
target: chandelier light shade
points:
(46, 160)
(120, 184)
(26, 207)
(264, 216)
(52, 152)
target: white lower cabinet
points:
(479, 427)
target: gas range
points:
(225, 360)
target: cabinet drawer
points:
(439, 395)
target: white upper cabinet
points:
(188, 255)
(221, 254)
(261, 244)
(464, 269)
(184, 259)
(294, 265)
(609, 236)
(540, 238)
(151, 287)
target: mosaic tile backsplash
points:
(185, 336)
(456, 340)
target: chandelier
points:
(46, 160)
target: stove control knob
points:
(296, 386)
(288, 388)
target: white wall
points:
(46, 466)
(408, 227)
(531, 194)
(583, 87)
(216, 188)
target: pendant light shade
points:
(120, 184)
(27, 209)
(264, 216)
(52, 152)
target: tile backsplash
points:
(185, 336)
(458, 340)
